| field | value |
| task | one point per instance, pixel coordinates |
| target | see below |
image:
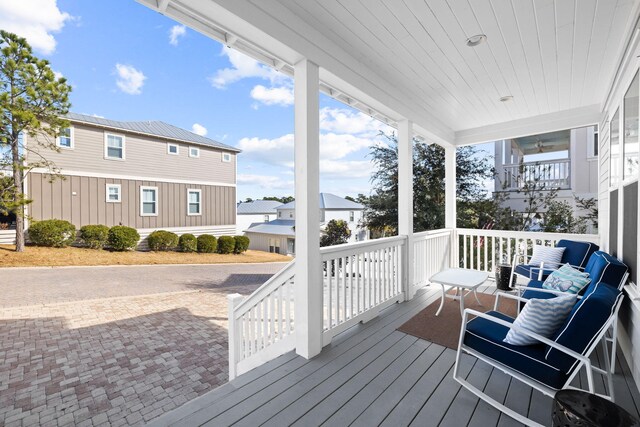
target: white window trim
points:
(72, 140)
(119, 187)
(199, 191)
(142, 188)
(228, 157)
(197, 150)
(169, 145)
(124, 145)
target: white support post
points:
(405, 201)
(234, 343)
(450, 186)
(308, 277)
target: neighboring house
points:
(278, 235)
(255, 212)
(567, 160)
(148, 175)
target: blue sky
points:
(127, 62)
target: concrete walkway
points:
(93, 346)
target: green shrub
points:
(242, 244)
(94, 236)
(188, 243)
(226, 244)
(161, 240)
(207, 244)
(123, 238)
(55, 233)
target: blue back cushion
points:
(602, 267)
(576, 253)
(586, 320)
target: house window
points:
(173, 149)
(148, 201)
(65, 139)
(266, 218)
(113, 146)
(274, 246)
(194, 152)
(193, 202)
(279, 214)
(630, 131)
(290, 214)
(352, 216)
(113, 193)
(614, 156)
(226, 157)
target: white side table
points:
(462, 279)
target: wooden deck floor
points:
(374, 375)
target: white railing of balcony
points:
(359, 280)
(550, 173)
(485, 249)
(261, 326)
(431, 254)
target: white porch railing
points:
(485, 249)
(359, 280)
(431, 253)
(550, 173)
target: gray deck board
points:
(373, 374)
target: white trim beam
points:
(405, 201)
(450, 217)
(562, 120)
(308, 268)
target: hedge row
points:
(59, 233)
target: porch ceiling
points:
(409, 58)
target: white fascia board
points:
(551, 122)
(270, 29)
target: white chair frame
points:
(583, 362)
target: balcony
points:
(548, 174)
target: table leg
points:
(475, 294)
(441, 301)
(462, 302)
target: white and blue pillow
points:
(551, 256)
(541, 316)
(567, 279)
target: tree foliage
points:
(283, 199)
(32, 102)
(336, 232)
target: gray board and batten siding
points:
(82, 201)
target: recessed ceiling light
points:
(506, 98)
(474, 41)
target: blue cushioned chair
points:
(575, 254)
(553, 363)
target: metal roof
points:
(258, 207)
(331, 202)
(151, 128)
(282, 227)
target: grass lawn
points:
(49, 257)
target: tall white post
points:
(450, 186)
(308, 278)
(405, 201)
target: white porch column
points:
(308, 277)
(450, 186)
(405, 201)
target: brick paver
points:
(114, 361)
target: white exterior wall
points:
(286, 214)
(244, 221)
(357, 234)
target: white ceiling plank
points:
(565, 21)
(585, 16)
(545, 18)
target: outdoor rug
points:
(445, 328)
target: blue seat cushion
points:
(603, 267)
(487, 337)
(537, 284)
(577, 254)
(582, 326)
(531, 272)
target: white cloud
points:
(35, 20)
(129, 79)
(175, 33)
(243, 67)
(273, 96)
(57, 74)
(198, 129)
(343, 120)
(277, 151)
(265, 181)
(346, 168)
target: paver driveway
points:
(113, 346)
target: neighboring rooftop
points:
(330, 202)
(258, 207)
(151, 128)
(283, 227)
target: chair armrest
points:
(527, 332)
(547, 291)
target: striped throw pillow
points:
(567, 279)
(552, 257)
(541, 316)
